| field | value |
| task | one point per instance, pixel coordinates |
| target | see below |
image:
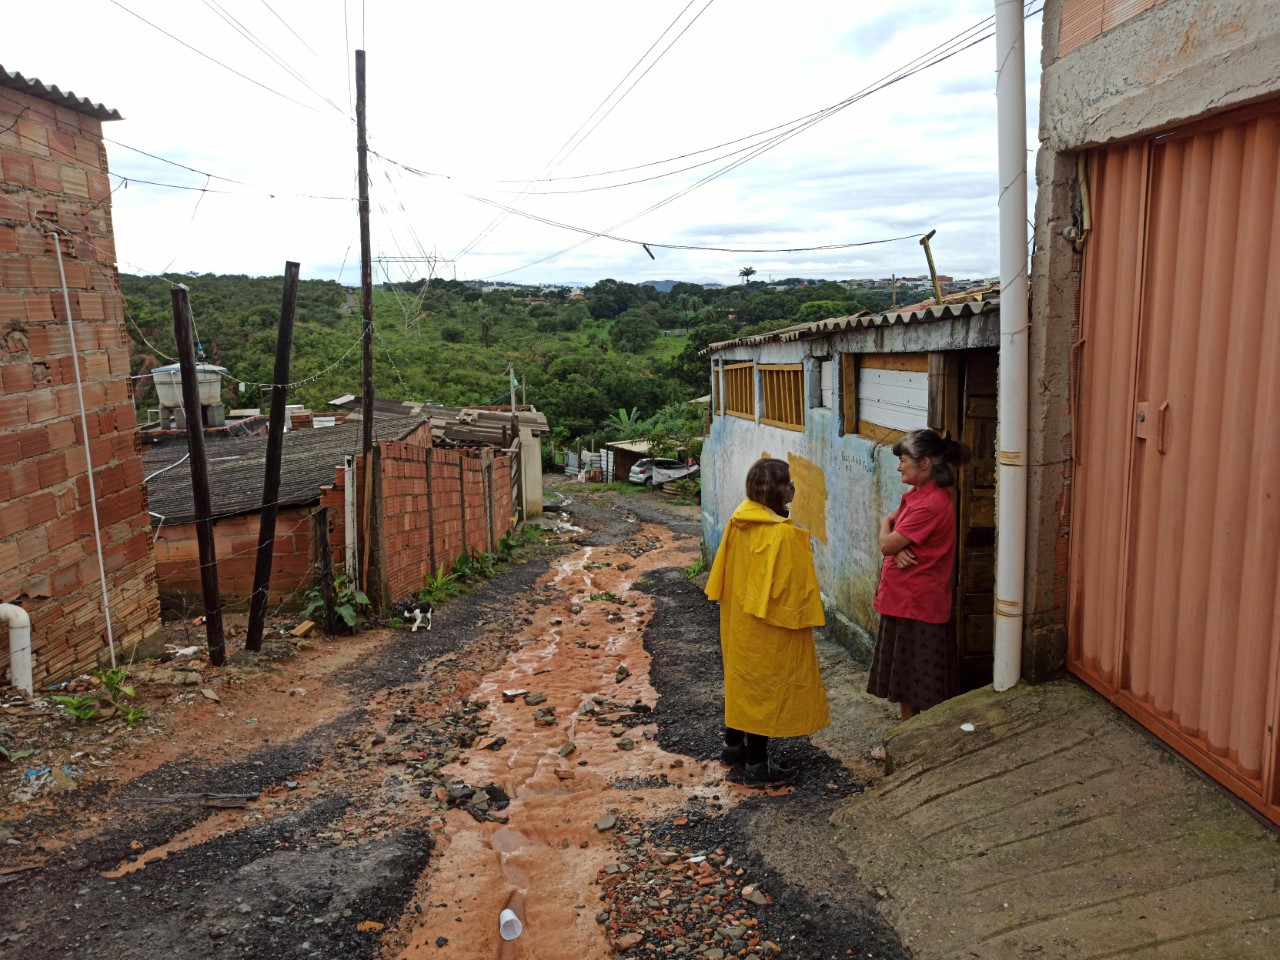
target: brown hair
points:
(941, 451)
(769, 483)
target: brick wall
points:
(236, 541)
(464, 505)
(53, 177)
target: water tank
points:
(168, 381)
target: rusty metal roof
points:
(237, 465)
(33, 87)
(823, 328)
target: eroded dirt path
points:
(549, 746)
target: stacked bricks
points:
(236, 542)
(53, 178)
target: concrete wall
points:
(844, 484)
(1181, 60)
(53, 177)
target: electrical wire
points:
(560, 155)
(215, 60)
(938, 54)
(275, 58)
(290, 29)
(592, 234)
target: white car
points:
(660, 470)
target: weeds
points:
(438, 587)
(112, 694)
(696, 568)
(608, 597)
(7, 753)
(350, 602)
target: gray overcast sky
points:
(486, 93)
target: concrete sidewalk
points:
(1058, 828)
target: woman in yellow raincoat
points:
(764, 579)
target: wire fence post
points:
(194, 416)
(275, 450)
(324, 556)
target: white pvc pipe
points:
(349, 515)
(88, 457)
(19, 623)
(1011, 483)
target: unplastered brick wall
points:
(177, 555)
(53, 178)
(464, 505)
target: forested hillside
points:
(580, 361)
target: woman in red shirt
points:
(915, 663)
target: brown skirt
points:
(915, 663)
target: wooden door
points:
(975, 500)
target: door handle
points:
(1162, 417)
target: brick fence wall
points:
(466, 505)
(236, 541)
(53, 177)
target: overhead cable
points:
(215, 60)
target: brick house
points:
(53, 179)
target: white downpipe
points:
(19, 623)
(88, 456)
(349, 515)
(1011, 483)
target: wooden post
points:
(462, 490)
(182, 333)
(486, 474)
(366, 256)
(275, 450)
(320, 537)
(431, 516)
(366, 312)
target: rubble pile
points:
(662, 902)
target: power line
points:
(249, 35)
(290, 29)
(938, 54)
(215, 60)
(592, 234)
(560, 156)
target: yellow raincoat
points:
(769, 603)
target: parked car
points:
(643, 471)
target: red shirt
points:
(927, 518)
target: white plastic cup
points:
(509, 925)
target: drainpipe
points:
(19, 623)
(1011, 483)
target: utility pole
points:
(366, 256)
(194, 415)
(275, 452)
(366, 311)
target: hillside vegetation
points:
(582, 362)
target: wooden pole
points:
(431, 515)
(275, 451)
(321, 539)
(366, 256)
(366, 312)
(183, 327)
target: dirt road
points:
(549, 746)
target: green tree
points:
(746, 273)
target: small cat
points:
(415, 612)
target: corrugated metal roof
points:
(822, 328)
(237, 465)
(29, 85)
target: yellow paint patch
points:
(809, 509)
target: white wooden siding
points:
(897, 399)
